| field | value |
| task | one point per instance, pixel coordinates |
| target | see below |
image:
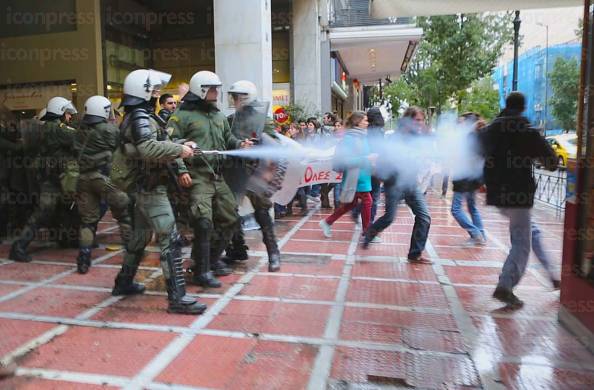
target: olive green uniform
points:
(157, 163)
(95, 144)
(55, 152)
(212, 204)
(10, 151)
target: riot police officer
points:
(11, 149)
(248, 122)
(212, 205)
(54, 153)
(95, 142)
(157, 161)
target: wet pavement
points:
(336, 316)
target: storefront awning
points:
(401, 8)
(373, 52)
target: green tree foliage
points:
(564, 80)
(481, 98)
(455, 51)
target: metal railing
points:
(353, 13)
(551, 188)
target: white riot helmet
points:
(98, 106)
(200, 83)
(140, 84)
(57, 107)
(97, 109)
(244, 90)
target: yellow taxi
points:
(565, 145)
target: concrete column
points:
(243, 45)
(326, 74)
(306, 78)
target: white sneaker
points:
(480, 241)
(475, 241)
(326, 228)
(376, 240)
(313, 199)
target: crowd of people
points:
(507, 147)
(156, 174)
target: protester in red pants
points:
(354, 158)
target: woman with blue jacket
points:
(354, 158)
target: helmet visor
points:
(213, 93)
(69, 108)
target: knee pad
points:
(87, 233)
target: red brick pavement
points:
(335, 315)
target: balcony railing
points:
(353, 13)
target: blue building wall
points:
(532, 81)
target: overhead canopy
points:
(374, 52)
(401, 8)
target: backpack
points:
(124, 169)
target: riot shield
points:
(247, 123)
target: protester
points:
(510, 145)
(375, 134)
(465, 189)
(338, 134)
(412, 125)
(354, 156)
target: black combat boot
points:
(179, 302)
(217, 266)
(201, 273)
(237, 249)
(124, 282)
(83, 261)
(269, 239)
(18, 250)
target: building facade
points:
(318, 54)
(533, 81)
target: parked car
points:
(565, 145)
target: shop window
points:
(281, 69)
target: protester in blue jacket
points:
(354, 158)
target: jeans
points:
(279, 209)
(337, 190)
(315, 191)
(376, 186)
(366, 201)
(444, 183)
(474, 227)
(415, 199)
(524, 234)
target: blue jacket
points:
(352, 153)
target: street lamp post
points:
(517, 22)
(381, 92)
(546, 104)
